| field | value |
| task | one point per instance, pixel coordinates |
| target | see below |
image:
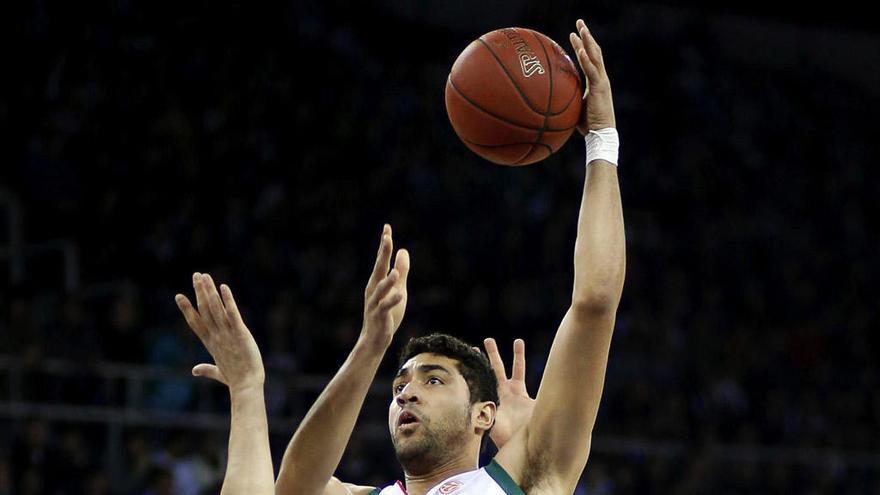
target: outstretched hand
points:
(218, 324)
(385, 296)
(598, 110)
(516, 406)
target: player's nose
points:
(406, 395)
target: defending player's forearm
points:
(249, 468)
(600, 252)
(318, 444)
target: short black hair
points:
(472, 364)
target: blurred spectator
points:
(161, 482)
(31, 457)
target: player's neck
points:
(421, 483)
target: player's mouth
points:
(407, 420)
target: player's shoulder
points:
(337, 487)
(531, 470)
(361, 490)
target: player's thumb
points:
(208, 371)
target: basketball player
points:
(444, 397)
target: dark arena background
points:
(268, 144)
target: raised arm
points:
(238, 365)
(554, 445)
(317, 446)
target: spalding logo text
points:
(528, 61)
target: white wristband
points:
(603, 144)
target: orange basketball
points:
(513, 96)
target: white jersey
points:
(490, 480)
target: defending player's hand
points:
(385, 296)
(218, 324)
(598, 105)
(516, 405)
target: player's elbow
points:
(595, 302)
(598, 289)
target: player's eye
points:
(398, 388)
(434, 381)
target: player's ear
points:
(484, 415)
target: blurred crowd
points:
(268, 147)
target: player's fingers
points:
(384, 287)
(390, 300)
(199, 285)
(231, 307)
(383, 258)
(575, 41)
(592, 48)
(584, 36)
(190, 315)
(588, 65)
(593, 75)
(595, 52)
(577, 45)
(401, 264)
(495, 359)
(203, 299)
(214, 303)
(583, 30)
(589, 69)
(200, 298)
(519, 360)
(209, 371)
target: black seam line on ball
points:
(523, 95)
(519, 90)
(549, 98)
(573, 95)
(493, 115)
(507, 144)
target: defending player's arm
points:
(238, 365)
(317, 446)
(553, 447)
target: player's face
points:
(430, 412)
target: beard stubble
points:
(438, 443)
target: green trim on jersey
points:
(503, 479)
(375, 491)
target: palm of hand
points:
(386, 295)
(598, 110)
(236, 354)
(219, 325)
(513, 412)
(516, 406)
